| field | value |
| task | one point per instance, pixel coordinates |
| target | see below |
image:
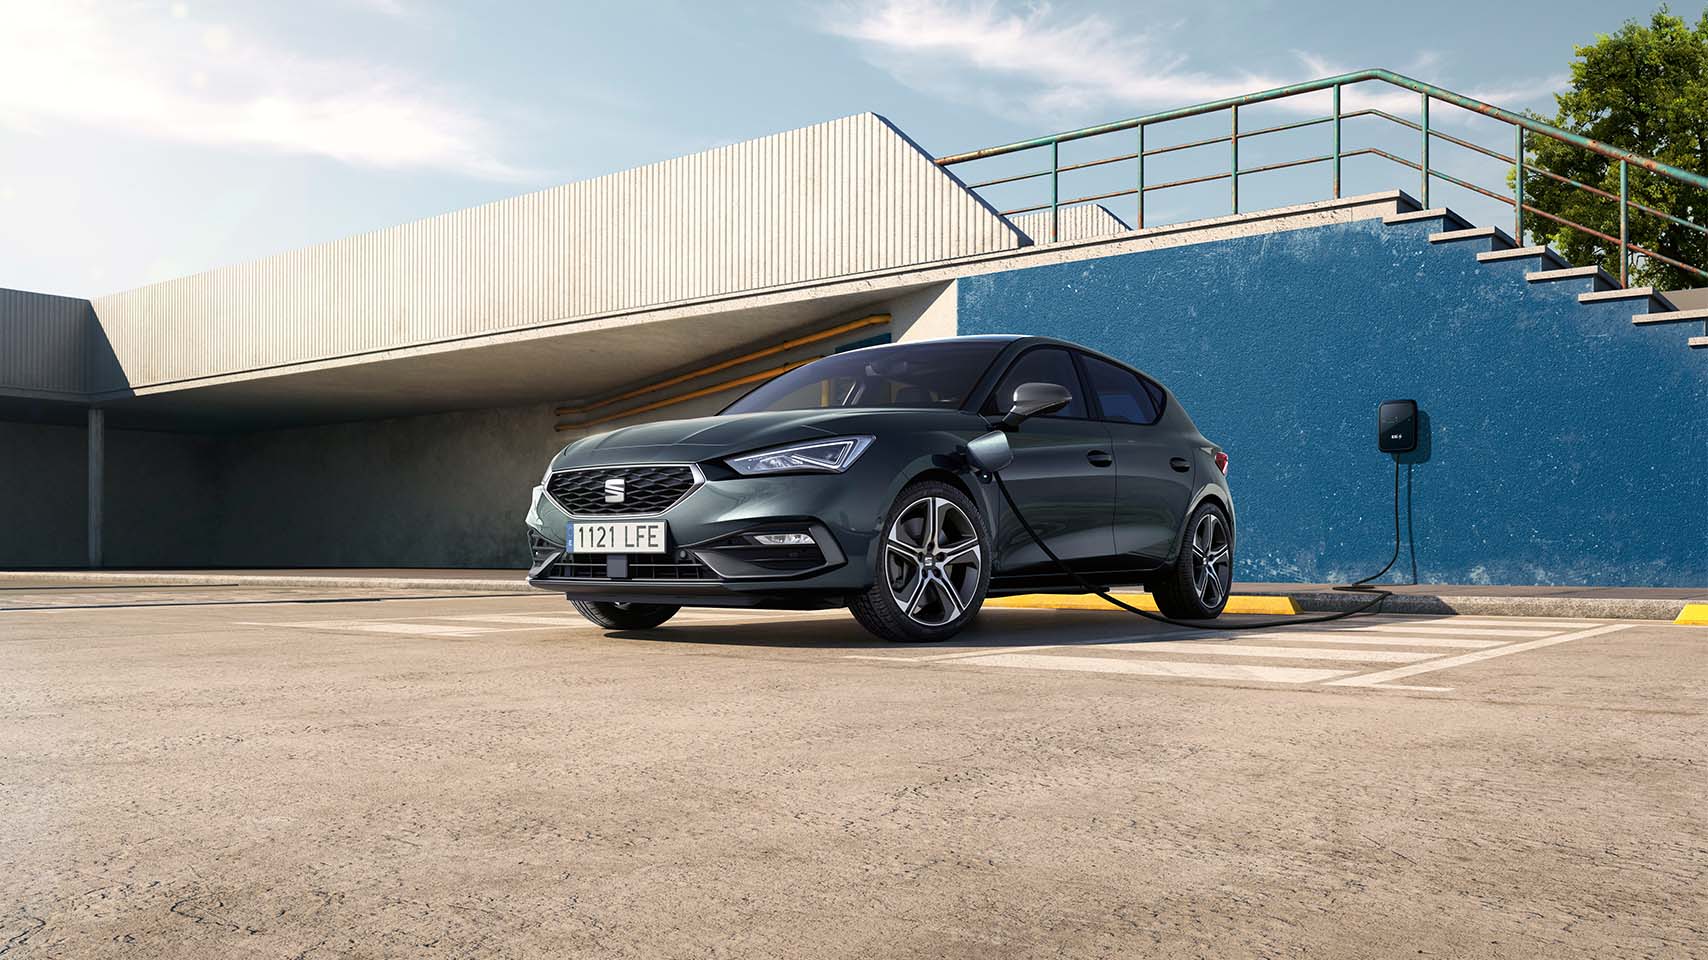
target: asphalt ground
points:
(245, 771)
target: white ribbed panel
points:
(1081, 222)
(838, 198)
(44, 342)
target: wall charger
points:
(1396, 426)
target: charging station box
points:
(1396, 426)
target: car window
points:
(1043, 365)
(933, 374)
(1121, 394)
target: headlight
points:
(819, 456)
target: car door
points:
(1063, 474)
(1153, 469)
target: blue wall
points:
(1567, 446)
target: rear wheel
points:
(625, 616)
(1196, 587)
(933, 567)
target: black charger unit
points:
(1396, 426)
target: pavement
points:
(193, 770)
(1686, 605)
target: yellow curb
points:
(1144, 601)
(1693, 615)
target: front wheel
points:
(625, 616)
(1196, 587)
(933, 567)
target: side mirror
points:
(990, 452)
(1034, 400)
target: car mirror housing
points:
(990, 452)
(1034, 400)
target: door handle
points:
(1180, 464)
(1099, 458)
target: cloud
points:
(1050, 65)
(1062, 64)
(156, 71)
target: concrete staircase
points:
(1494, 245)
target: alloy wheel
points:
(933, 561)
(1212, 560)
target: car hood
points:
(706, 438)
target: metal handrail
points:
(1521, 124)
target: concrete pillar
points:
(926, 314)
(97, 468)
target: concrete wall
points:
(1567, 445)
(443, 490)
(1079, 222)
(46, 345)
(41, 487)
(162, 497)
(926, 315)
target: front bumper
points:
(711, 560)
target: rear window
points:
(1123, 395)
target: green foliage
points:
(1643, 89)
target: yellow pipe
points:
(726, 364)
(692, 395)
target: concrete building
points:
(389, 399)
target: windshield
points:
(935, 374)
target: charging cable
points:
(1371, 608)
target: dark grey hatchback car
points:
(864, 480)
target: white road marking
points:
(1097, 642)
(558, 620)
(1508, 622)
(1399, 673)
(382, 626)
(1279, 653)
(1158, 668)
(1346, 636)
(1453, 630)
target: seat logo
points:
(614, 490)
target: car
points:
(866, 479)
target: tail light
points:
(1222, 462)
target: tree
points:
(1644, 89)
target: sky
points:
(142, 141)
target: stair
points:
(1494, 245)
(1523, 253)
(1494, 238)
(1434, 213)
(1600, 280)
(1627, 293)
(1671, 316)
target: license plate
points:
(626, 537)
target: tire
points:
(933, 568)
(1196, 586)
(625, 616)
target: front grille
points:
(642, 566)
(646, 489)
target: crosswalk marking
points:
(1159, 668)
(1347, 636)
(1399, 673)
(1421, 646)
(1509, 622)
(1467, 631)
(1222, 649)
